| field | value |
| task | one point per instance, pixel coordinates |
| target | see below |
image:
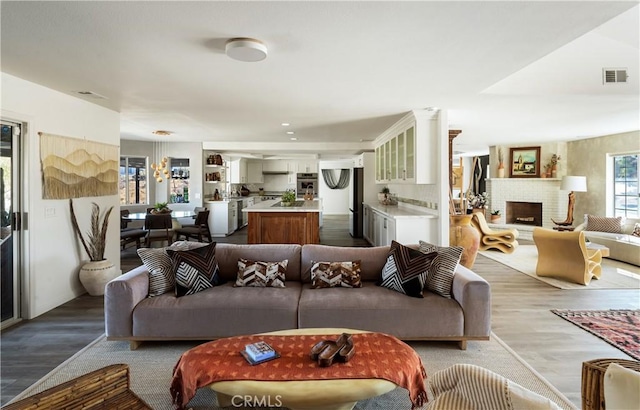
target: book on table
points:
(259, 352)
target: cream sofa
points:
(622, 246)
(225, 310)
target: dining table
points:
(175, 215)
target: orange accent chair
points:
(564, 255)
(503, 240)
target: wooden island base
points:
(284, 227)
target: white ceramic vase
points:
(94, 276)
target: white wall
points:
(334, 201)
(54, 253)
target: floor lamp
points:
(571, 184)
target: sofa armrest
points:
(121, 296)
(473, 293)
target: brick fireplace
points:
(550, 201)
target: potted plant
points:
(161, 208)
(95, 274)
(383, 196)
(495, 216)
(288, 198)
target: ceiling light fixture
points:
(162, 132)
(246, 49)
(293, 139)
(285, 124)
(290, 132)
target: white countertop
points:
(399, 211)
(267, 206)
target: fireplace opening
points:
(524, 213)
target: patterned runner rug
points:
(619, 328)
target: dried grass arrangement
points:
(96, 241)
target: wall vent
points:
(614, 75)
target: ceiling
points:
(339, 72)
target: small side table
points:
(593, 380)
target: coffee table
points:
(337, 394)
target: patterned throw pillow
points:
(443, 267)
(602, 224)
(335, 274)
(406, 269)
(161, 276)
(636, 229)
(195, 270)
(261, 274)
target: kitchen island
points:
(270, 222)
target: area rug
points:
(619, 328)
(615, 274)
(152, 364)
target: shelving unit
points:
(215, 176)
(179, 181)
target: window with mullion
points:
(626, 183)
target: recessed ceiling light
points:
(246, 49)
(290, 132)
(285, 124)
(162, 132)
(293, 139)
(91, 94)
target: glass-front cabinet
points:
(179, 181)
(395, 158)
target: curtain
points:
(330, 179)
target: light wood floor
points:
(520, 317)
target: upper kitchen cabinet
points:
(396, 160)
(306, 166)
(254, 172)
(238, 171)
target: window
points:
(625, 193)
(133, 180)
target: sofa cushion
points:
(220, 311)
(161, 275)
(261, 274)
(195, 270)
(604, 224)
(335, 274)
(406, 270)
(443, 267)
(379, 309)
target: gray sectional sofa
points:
(225, 310)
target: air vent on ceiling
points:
(614, 75)
(91, 94)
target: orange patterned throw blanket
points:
(378, 356)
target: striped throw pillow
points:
(158, 263)
(443, 267)
(406, 269)
(603, 224)
(195, 270)
(335, 274)
(261, 274)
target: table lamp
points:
(571, 184)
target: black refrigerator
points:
(356, 196)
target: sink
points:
(296, 204)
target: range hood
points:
(275, 172)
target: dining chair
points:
(159, 228)
(198, 230)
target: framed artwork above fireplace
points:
(525, 162)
